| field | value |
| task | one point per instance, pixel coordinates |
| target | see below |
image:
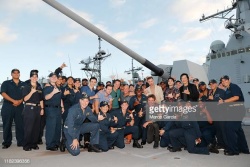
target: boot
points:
(62, 145)
(86, 145)
(136, 144)
(93, 148)
(213, 149)
(156, 144)
(174, 149)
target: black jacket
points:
(194, 94)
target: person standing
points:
(90, 91)
(171, 93)
(116, 94)
(234, 100)
(154, 89)
(53, 110)
(32, 96)
(188, 91)
(12, 108)
(215, 94)
(138, 103)
(103, 95)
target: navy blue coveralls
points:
(166, 126)
(68, 100)
(53, 113)
(185, 134)
(107, 139)
(236, 140)
(122, 129)
(10, 112)
(31, 117)
(139, 121)
(74, 126)
(217, 113)
(207, 129)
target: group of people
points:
(111, 115)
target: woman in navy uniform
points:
(53, 111)
(77, 90)
(12, 108)
(32, 96)
(107, 136)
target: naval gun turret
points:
(157, 71)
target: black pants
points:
(42, 125)
(86, 135)
(31, 119)
(220, 133)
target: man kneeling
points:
(121, 127)
(74, 126)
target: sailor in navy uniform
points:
(77, 90)
(124, 117)
(138, 103)
(12, 108)
(217, 113)
(187, 133)
(234, 100)
(68, 95)
(53, 111)
(74, 126)
(108, 136)
(32, 95)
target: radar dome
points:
(217, 45)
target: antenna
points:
(97, 61)
(134, 71)
(70, 65)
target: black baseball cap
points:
(53, 73)
(84, 96)
(225, 77)
(195, 79)
(77, 79)
(33, 72)
(15, 69)
(84, 79)
(100, 84)
(108, 82)
(138, 88)
(70, 77)
(104, 103)
(124, 101)
(202, 83)
(212, 81)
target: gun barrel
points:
(158, 71)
